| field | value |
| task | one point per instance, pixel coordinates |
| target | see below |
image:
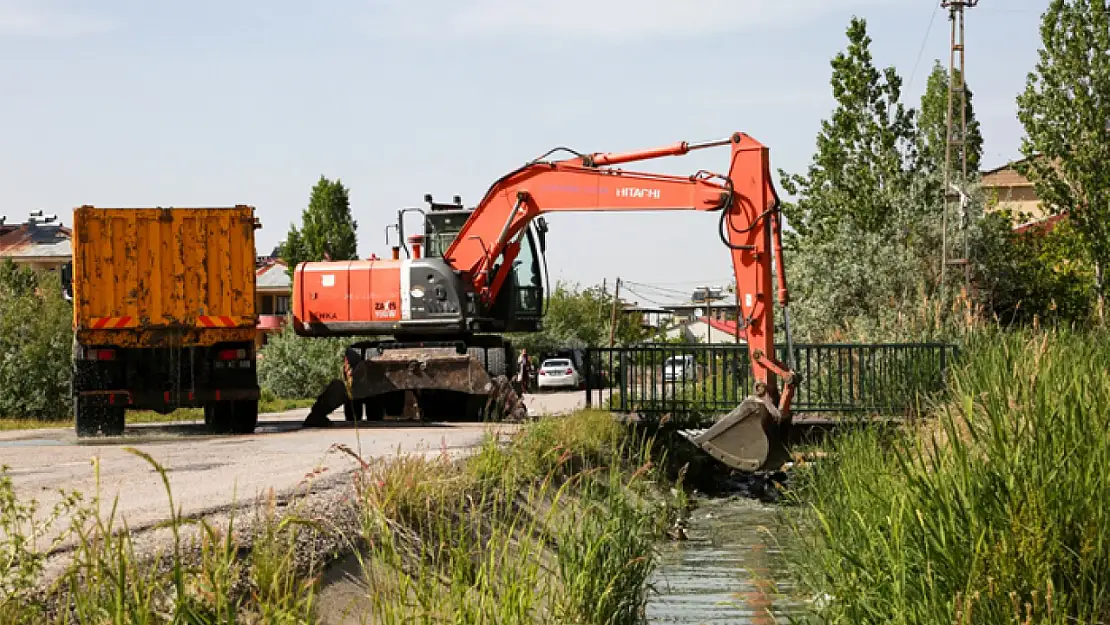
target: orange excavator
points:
(439, 312)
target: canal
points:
(729, 570)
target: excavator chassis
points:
(425, 381)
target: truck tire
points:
(217, 417)
(91, 419)
(231, 417)
(87, 418)
(113, 422)
(244, 416)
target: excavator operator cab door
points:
(519, 306)
(528, 278)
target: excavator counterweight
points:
(478, 273)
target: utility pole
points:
(956, 137)
(708, 315)
(613, 318)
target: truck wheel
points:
(86, 416)
(244, 416)
(217, 417)
(497, 364)
(113, 421)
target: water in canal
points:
(730, 570)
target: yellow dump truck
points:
(164, 315)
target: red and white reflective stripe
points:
(213, 321)
(112, 323)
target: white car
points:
(680, 368)
(557, 373)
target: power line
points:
(651, 299)
(668, 292)
(696, 287)
(924, 42)
(696, 283)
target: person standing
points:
(524, 370)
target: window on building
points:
(281, 305)
(267, 305)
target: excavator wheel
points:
(504, 403)
(750, 438)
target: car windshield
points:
(557, 363)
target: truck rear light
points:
(232, 354)
(100, 354)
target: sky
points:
(216, 103)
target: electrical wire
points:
(664, 291)
(924, 42)
(646, 298)
(691, 282)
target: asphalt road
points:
(209, 472)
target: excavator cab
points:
(519, 306)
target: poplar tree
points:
(862, 149)
(1065, 110)
(327, 227)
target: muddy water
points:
(730, 570)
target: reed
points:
(993, 512)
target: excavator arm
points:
(750, 226)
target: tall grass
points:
(558, 526)
(994, 512)
(106, 578)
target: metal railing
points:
(708, 379)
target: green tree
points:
(327, 227)
(1065, 109)
(16, 280)
(861, 150)
(578, 317)
(36, 340)
(1031, 275)
(932, 127)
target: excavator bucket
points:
(750, 438)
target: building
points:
(721, 308)
(41, 243)
(704, 330)
(652, 318)
(1006, 189)
(273, 291)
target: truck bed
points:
(155, 277)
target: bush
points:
(994, 513)
(36, 343)
(295, 367)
